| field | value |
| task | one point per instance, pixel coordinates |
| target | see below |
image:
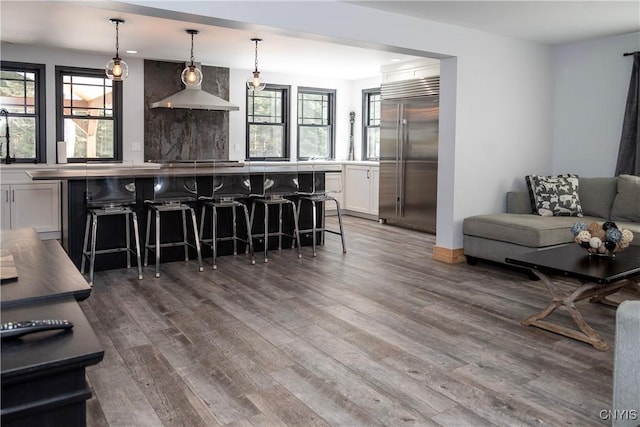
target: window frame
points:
(40, 105)
(331, 120)
(117, 107)
(366, 118)
(285, 90)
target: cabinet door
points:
(35, 205)
(375, 189)
(5, 212)
(357, 188)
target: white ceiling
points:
(84, 25)
(543, 21)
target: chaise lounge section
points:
(493, 237)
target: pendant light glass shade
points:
(191, 75)
(254, 82)
(116, 69)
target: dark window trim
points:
(331, 118)
(365, 119)
(117, 111)
(41, 104)
(285, 123)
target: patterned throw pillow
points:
(554, 195)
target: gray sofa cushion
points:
(519, 202)
(597, 195)
(626, 205)
(523, 229)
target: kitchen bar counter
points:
(147, 170)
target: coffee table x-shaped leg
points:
(596, 292)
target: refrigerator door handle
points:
(398, 176)
(402, 142)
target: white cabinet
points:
(361, 188)
(31, 205)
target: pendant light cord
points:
(117, 39)
(192, 49)
(257, 41)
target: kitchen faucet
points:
(5, 113)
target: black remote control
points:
(18, 329)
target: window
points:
(371, 124)
(22, 95)
(267, 123)
(89, 114)
(316, 115)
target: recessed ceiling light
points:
(396, 59)
(132, 51)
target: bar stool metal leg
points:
(184, 235)
(85, 245)
(157, 242)
(127, 239)
(146, 238)
(296, 228)
(94, 231)
(214, 239)
(195, 238)
(136, 237)
(249, 237)
(344, 247)
(266, 232)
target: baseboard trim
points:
(450, 256)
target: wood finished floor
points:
(382, 335)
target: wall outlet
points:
(136, 146)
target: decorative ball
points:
(595, 242)
(583, 236)
(613, 235)
(627, 236)
(609, 224)
(610, 245)
(578, 227)
(593, 227)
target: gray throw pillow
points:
(554, 195)
(597, 195)
(626, 205)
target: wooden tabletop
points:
(571, 260)
(45, 272)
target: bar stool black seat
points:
(318, 194)
(228, 192)
(109, 197)
(172, 194)
(276, 188)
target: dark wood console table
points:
(43, 374)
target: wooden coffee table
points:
(598, 276)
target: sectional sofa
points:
(495, 236)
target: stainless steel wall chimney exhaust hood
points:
(194, 98)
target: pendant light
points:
(253, 82)
(116, 69)
(191, 75)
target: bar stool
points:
(276, 187)
(225, 194)
(171, 194)
(319, 194)
(110, 197)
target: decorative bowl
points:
(601, 239)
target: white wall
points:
(356, 105)
(590, 90)
(133, 93)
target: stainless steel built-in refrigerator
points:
(409, 153)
